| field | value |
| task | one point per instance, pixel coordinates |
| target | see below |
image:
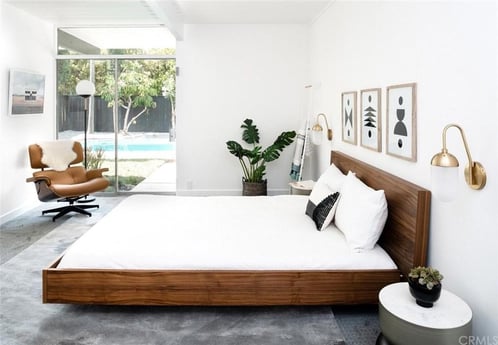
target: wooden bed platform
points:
(405, 238)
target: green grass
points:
(125, 183)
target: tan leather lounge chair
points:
(63, 181)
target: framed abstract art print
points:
(349, 128)
(402, 121)
(371, 119)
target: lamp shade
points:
(444, 159)
(85, 88)
(317, 134)
(444, 182)
(444, 175)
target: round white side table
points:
(301, 187)
(403, 322)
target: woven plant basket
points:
(254, 188)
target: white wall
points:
(229, 73)
(450, 50)
(27, 43)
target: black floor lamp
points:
(85, 89)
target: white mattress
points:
(216, 233)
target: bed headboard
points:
(406, 232)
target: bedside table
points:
(403, 322)
(301, 187)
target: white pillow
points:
(361, 214)
(321, 204)
(333, 178)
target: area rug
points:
(25, 320)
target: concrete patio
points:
(163, 180)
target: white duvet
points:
(216, 233)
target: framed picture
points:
(371, 119)
(349, 117)
(402, 121)
(26, 93)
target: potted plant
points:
(425, 285)
(253, 161)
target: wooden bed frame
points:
(404, 237)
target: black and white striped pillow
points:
(323, 213)
(324, 197)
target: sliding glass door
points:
(130, 122)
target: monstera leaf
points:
(273, 152)
(251, 133)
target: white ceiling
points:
(172, 13)
(252, 12)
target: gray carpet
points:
(19, 233)
(190, 326)
(359, 324)
(25, 320)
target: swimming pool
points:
(108, 146)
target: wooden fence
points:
(71, 116)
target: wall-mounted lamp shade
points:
(444, 182)
(85, 88)
(444, 170)
(317, 130)
(316, 134)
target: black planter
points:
(423, 296)
(253, 188)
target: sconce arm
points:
(465, 144)
(324, 117)
(329, 131)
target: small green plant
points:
(253, 161)
(94, 158)
(427, 276)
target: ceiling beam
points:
(75, 44)
(169, 13)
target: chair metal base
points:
(71, 207)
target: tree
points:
(139, 82)
(69, 72)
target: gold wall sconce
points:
(317, 130)
(445, 170)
